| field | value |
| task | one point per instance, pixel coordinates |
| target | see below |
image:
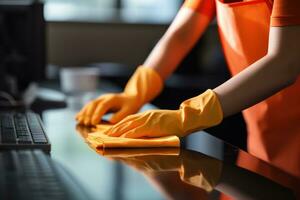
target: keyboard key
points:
(8, 135)
(7, 129)
(22, 131)
(24, 140)
(7, 122)
(36, 130)
(40, 141)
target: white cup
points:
(79, 79)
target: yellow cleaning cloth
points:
(99, 140)
(138, 152)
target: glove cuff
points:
(201, 112)
(145, 84)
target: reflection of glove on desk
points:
(194, 168)
(148, 160)
(99, 140)
(200, 170)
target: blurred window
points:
(131, 11)
(149, 10)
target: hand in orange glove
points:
(197, 113)
(142, 87)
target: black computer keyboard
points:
(32, 175)
(22, 131)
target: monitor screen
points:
(22, 44)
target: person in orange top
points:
(261, 43)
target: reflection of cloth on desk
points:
(147, 160)
(99, 140)
(193, 168)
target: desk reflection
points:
(186, 174)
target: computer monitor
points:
(22, 44)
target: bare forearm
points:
(259, 81)
(182, 35)
(167, 55)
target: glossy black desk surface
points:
(205, 168)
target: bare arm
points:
(278, 69)
(181, 36)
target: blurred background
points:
(39, 38)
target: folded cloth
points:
(99, 140)
(134, 152)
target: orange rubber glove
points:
(197, 113)
(143, 86)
